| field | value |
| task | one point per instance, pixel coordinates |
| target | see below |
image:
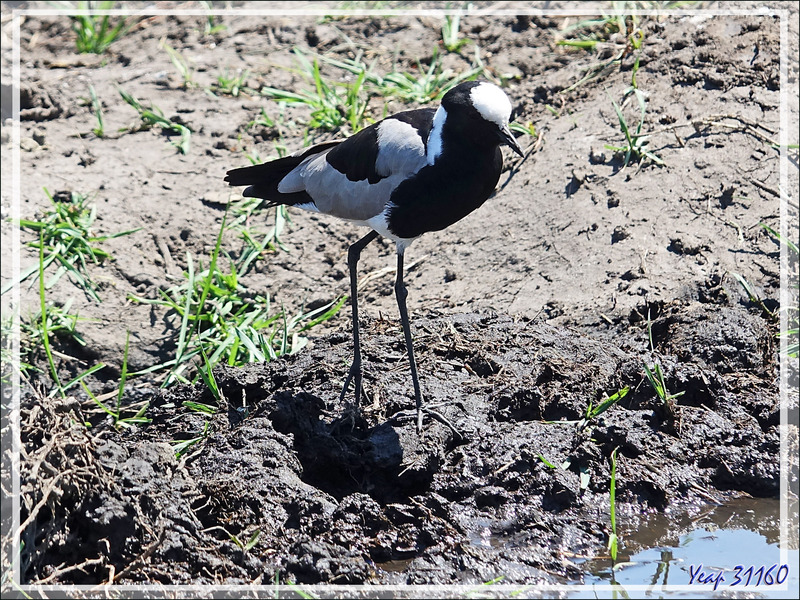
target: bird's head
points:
(487, 103)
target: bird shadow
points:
(346, 456)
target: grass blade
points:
(124, 375)
(45, 333)
(207, 373)
(613, 541)
(608, 402)
(82, 376)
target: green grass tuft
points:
(223, 322)
(655, 376)
(57, 322)
(636, 147)
(753, 296)
(334, 106)
(118, 421)
(792, 331)
(232, 84)
(153, 116)
(211, 27)
(594, 411)
(99, 130)
(451, 35)
(339, 106)
(180, 63)
(94, 33)
(65, 239)
(427, 85)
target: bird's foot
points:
(407, 415)
(348, 421)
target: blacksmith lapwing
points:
(413, 172)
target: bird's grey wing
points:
(355, 179)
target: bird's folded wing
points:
(351, 179)
(355, 179)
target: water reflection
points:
(684, 554)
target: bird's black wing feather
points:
(262, 180)
(357, 156)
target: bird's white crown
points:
(492, 103)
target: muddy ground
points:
(524, 313)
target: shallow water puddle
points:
(729, 549)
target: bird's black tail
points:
(262, 180)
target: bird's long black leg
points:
(401, 292)
(353, 255)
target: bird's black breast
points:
(445, 192)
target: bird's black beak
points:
(509, 140)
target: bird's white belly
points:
(380, 223)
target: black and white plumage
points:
(414, 172)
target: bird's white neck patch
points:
(492, 103)
(435, 136)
